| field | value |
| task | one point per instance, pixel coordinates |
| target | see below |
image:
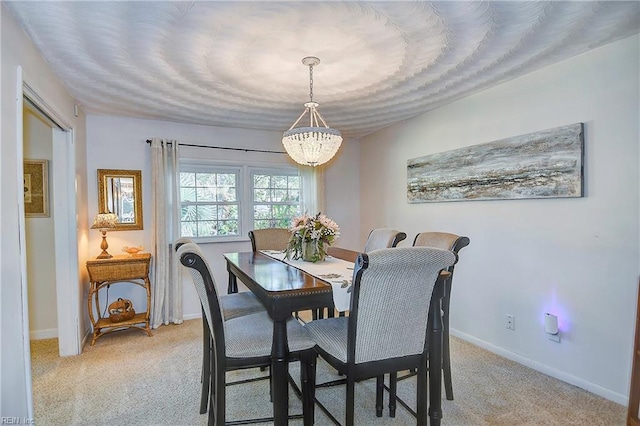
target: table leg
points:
(232, 287)
(435, 363)
(280, 373)
(93, 321)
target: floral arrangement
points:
(310, 237)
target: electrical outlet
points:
(511, 322)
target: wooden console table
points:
(119, 269)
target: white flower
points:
(318, 229)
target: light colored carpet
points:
(130, 378)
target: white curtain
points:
(166, 290)
(312, 189)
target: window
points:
(276, 199)
(209, 203)
(224, 203)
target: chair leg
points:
(446, 370)
(350, 401)
(213, 389)
(211, 418)
(308, 382)
(446, 356)
(312, 382)
(219, 392)
(379, 393)
(206, 367)
(393, 390)
(421, 395)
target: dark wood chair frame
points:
(357, 372)
(207, 346)
(460, 243)
(218, 361)
(457, 245)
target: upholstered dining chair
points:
(378, 238)
(244, 342)
(455, 243)
(386, 330)
(233, 306)
(269, 239)
(383, 238)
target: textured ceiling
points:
(238, 64)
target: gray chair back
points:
(390, 303)
(269, 239)
(442, 240)
(180, 241)
(383, 238)
(192, 257)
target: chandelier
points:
(313, 145)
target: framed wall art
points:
(36, 188)
(543, 164)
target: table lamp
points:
(104, 222)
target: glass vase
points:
(312, 252)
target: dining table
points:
(284, 289)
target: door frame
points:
(64, 211)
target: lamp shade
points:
(104, 221)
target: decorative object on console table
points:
(104, 222)
(132, 250)
(121, 310)
(311, 236)
(118, 269)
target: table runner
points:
(337, 272)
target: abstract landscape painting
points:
(544, 164)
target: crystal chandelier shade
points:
(317, 143)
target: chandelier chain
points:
(311, 82)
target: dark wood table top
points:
(282, 288)
(275, 276)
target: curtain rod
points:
(226, 147)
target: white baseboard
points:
(192, 316)
(88, 335)
(50, 333)
(545, 369)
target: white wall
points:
(578, 258)
(16, 50)
(119, 143)
(39, 235)
(342, 180)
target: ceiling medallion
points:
(312, 145)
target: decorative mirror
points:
(120, 192)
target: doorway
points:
(37, 136)
(62, 208)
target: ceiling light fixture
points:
(313, 145)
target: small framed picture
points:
(36, 188)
